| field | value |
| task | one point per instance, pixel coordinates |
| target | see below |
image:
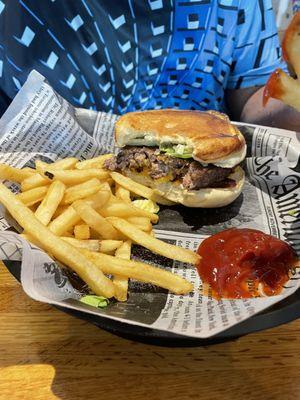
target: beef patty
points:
(191, 173)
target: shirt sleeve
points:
(4, 102)
(257, 51)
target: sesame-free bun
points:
(210, 135)
(202, 198)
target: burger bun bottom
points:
(201, 198)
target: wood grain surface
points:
(45, 354)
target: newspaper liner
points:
(40, 124)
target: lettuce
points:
(95, 301)
(176, 150)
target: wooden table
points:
(45, 354)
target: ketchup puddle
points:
(244, 263)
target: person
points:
(296, 5)
(149, 54)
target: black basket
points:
(285, 311)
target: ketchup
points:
(242, 263)
(273, 87)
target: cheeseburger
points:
(188, 157)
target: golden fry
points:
(283, 87)
(96, 162)
(30, 239)
(103, 246)
(291, 44)
(64, 222)
(82, 232)
(143, 223)
(120, 281)
(33, 196)
(92, 245)
(162, 200)
(153, 244)
(95, 220)
(50, 202)
(60, 209)
(81, 191)
(68, 234)
(117, 208)
(106, 186)
(73, 177)
(65, 163)
(109, 246)
(29, 170)
(34, 181)
(140, 271)
(14, 174)
(98, 200)
(62, 251)
(132, 186)
(122, 193)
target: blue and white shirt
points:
(125, 55)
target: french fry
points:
(103, 246)
(30, 239)
(117, 208)
(81, 191)
(65, 163)
(132, 186)
(33, 196)
(29, 170)
(140, 271)
(60, 209)
(50, 202)
(162, 200)
(153, 244)
(99, 200)
(121, 282)
(62, 251)
(27, 236)
(280, 85)
(82, 232)
(73, 177)
(291, 44)
(283, 87)
(96, 162)
(92, 245)
(64, 222)
(122, 193)
(95, 220)
(69, 217)
(106, 186)
(14, 174)
(143, 223)
(109, 246)
(68, 234)
(34, 181)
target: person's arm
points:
(246, 105)
(256, 55)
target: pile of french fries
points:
(84, 217)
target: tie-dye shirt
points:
(126, 55)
